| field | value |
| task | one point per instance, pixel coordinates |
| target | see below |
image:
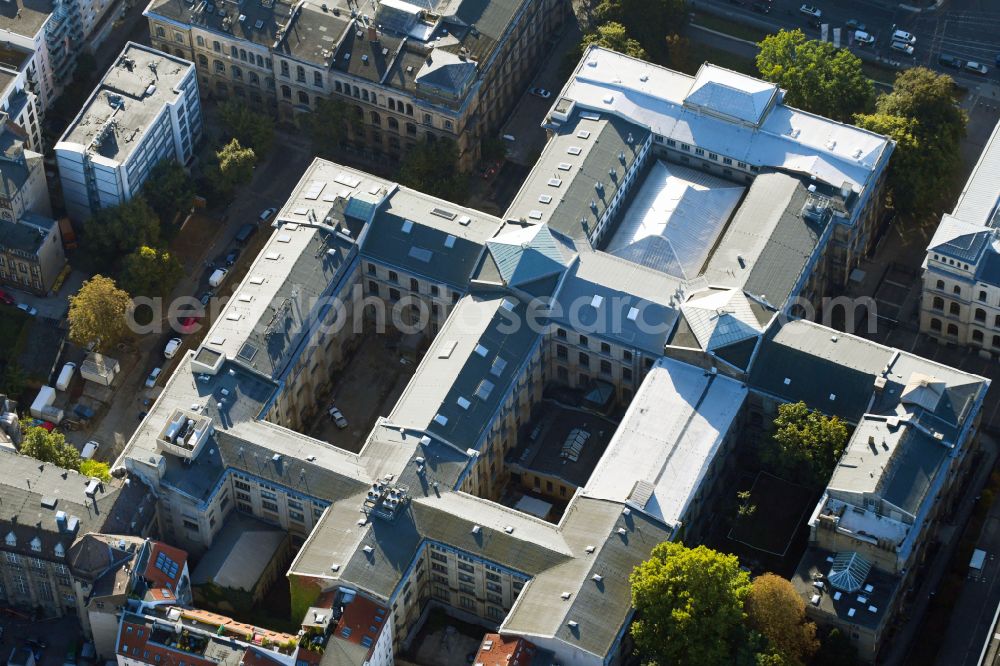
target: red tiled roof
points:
(360, 619)
(156, 576)
(497, 650)
(255, 658)
(161, 594)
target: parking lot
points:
(56, 635)
(365, 389)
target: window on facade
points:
(411, 129)
(935, 324)
(254, 79)
(220, 66)
(284, 68)
(303, 98)
(938, 303)
(955, 309)
(394, 295)
(605, 348)
(237, 72)
(286, 92)
(977, 336)
(584, 360)
(199, 40)
(561, 352)
(982, 295)
(202, 60)
(605, 367)
(234, 52)
(980, 315)
(940, 284)
(957, 290)
(414, 285)
(626, 374)
(317, 79)
(160, 32)
(243, 55)
(952, 329)
(300, 73)
(428, 119)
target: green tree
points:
(115, 232)
(835, 649)
(234, 167)
(645, 20)
(98, 313)
(50, 447)
(922, 115)
(13, 380)
(678, 52)
(817, 76)
(689, 602)
(327, 126)
(96, 469)
(613, 36)
(151, 272)
(805, 445)
(777, 611)
(432, 168)
(168, 190)
(252, 129)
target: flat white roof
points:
(654, 96)
(668, 439)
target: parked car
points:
(245, 232)
(903, 36)
(951, 61)
(206, 297)
(977, 67)
(6, 298)
(267, 214)
(855, 24)
(24, 307)
(902, 46)
(809, 10)
(540, 92)
(153, 376)
(863, 38)
(217, 276)
(338, 417)
(89, 449)
(233, 255)
(173, 344)
(188, 324)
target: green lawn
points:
(701, 53)
(781, 507)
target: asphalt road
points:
(969, 29)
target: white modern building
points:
(960, 303)
(145, 110)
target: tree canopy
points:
(50, 447)
(252, 129)
(151, 272)
(806, 445)
(928, 126)
(777, 611)
(817, 76)
(168, 190)
(612, 35)
(98, 312)
(432, 167)
(327, 126)
(96, 469)
(114, 232)
(689, 602)
(234, 167)
(647, 21)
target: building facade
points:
(146, 109)
(31, 253)
(449, 70)
(960, 299)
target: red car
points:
(7, 298)
(189, 324)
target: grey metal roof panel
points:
(980, 198)
(579, 164)
(446, 396)
(405, 233)
(600, 292)
(272, 17)
(800, 361)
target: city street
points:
(956, 28)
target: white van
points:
(902, 46)
(66, 376)
(903, 36)
(217, 277)
(89, 449)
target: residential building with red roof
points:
(497, 650)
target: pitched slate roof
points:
(527, 254)
(720, 318)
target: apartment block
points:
(47, 510)
(31, 253)
(445, 70)
(23, 185)
(146, 109)
(960, 299)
